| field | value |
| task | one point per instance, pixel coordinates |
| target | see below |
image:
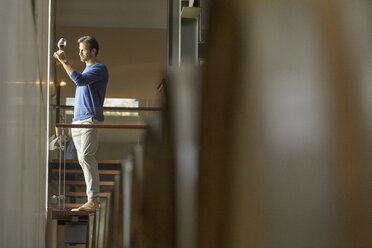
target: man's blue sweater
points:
(90, 91)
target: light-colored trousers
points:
(86, 143)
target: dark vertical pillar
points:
(58, 102)
(173, 23)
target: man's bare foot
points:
(90, 206)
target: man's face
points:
(85, 53)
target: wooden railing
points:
(103, 126)
(120, 109)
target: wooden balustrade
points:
(102, 126)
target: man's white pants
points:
(86, 143)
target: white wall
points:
(23, 125)
(135, 58)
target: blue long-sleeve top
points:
(90, 91)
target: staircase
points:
(84, 229)
(75, 185)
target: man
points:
(89, 97)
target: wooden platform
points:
(68, 215)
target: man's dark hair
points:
(91, 41)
